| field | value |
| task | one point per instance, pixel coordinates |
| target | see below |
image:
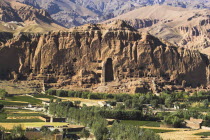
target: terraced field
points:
(30, 124)
(16, 116)
(183, 135)
(179, 133)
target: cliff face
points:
(92, 54)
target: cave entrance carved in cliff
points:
(108, 69)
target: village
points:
(62, 127)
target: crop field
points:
(18, 111)
(183, 135)
(12, 103)
(16, 116)
(30, 124)
(44, 96)
(25, 99)
(20, 101)
(23, 114)
(203, 133)
(161, 130)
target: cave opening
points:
(109, 76)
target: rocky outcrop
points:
(140, 23)
(89, 55)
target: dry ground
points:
(180, 134)
(17, 87)
(88, 102)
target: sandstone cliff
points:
(92, 54)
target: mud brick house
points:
(194, 123)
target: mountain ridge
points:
(72, 13)
(182, 27)
(17, 17)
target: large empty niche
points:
(109, 70)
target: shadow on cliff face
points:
(109, 70)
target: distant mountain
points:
(18, 17)
(180, 26)
(78, 12)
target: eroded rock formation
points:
(89, 55)
(16, 17)
(183, 27)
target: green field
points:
(23, 114)
(3, 118)
(16, 113)
(44, 96)
(10, 103)
(17, 110)
(20, 120)
(161, 130)
(28, 99)
(141, 123)
(203, 134)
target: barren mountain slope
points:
(78, 12)
(183, 27)
(17, 17)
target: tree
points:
(120, 107)
(51, 92)
(51, 100)
(56, 131)
(174, 120)
(58, 100)
(1, 107)
(2, 133)
(206, 103)
(85, 133)
(77, 103)
(154, 103)
(99, 128)
(120, 131)
(45, 130)
(168, 102)
(17, 133)
(3, 94)
(128, 104)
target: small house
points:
(102, 103)
(194, 123)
